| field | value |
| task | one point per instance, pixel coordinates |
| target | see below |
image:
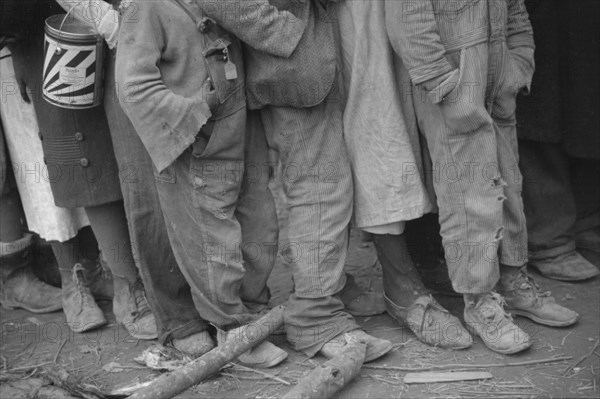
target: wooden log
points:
(333, 375)
(245, 338)
(434, 377)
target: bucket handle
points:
(58, 48)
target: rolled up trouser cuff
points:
(184, 331)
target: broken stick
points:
(333, 375)
(246, 337)
(435, 377)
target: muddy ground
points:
(104, 358)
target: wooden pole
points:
(333, 375)
(244, 338)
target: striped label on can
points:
(70, 74)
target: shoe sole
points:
(510, 351)
(144, 337)
(381, 352)
(565, 278)
(267, 365)
(89, 326)
(49, 309)
(550, 323)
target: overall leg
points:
(465, 174)
(520, 291)
(257, 215)
(317, 182)
(167, 290)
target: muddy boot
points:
(486, 317)
(82, 312)
(19, 287)
(99, 279)
(131, 308)
(523, 298)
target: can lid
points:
(72, 28)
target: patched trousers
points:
(471, 136)
(317, 182)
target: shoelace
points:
(81, 284)
(495, 309)
(526, 282)
(141, 303)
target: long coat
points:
(380, 125)
(564, 103)
(78, 153)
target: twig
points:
(59, 350)
(267, 375)
(26, 368)
(562, 343)
(470, 366)
(583, 358)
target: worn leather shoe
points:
(131, 309)
(376, 347)
(263, 355)
(82, 312)
(431, 323)
(485, 316)
(566, 267)
(194, 345)
(523, 298)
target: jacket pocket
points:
(225, 66)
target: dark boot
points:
(409, 302)
(82, 312)
(20, 288)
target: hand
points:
(209, 94)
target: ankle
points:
(473, 299)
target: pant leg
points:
(257, 216)
(548, 196)
(198, 195)
(167, 290)
(466, 178)
(317, 182)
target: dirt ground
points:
(32, 343)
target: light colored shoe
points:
(131, 309)
(194, 345)
(566, 267)
(82, 312)
(431, 323)
(523, 298)
(263, 355)
(487, 318)
(376, 347)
